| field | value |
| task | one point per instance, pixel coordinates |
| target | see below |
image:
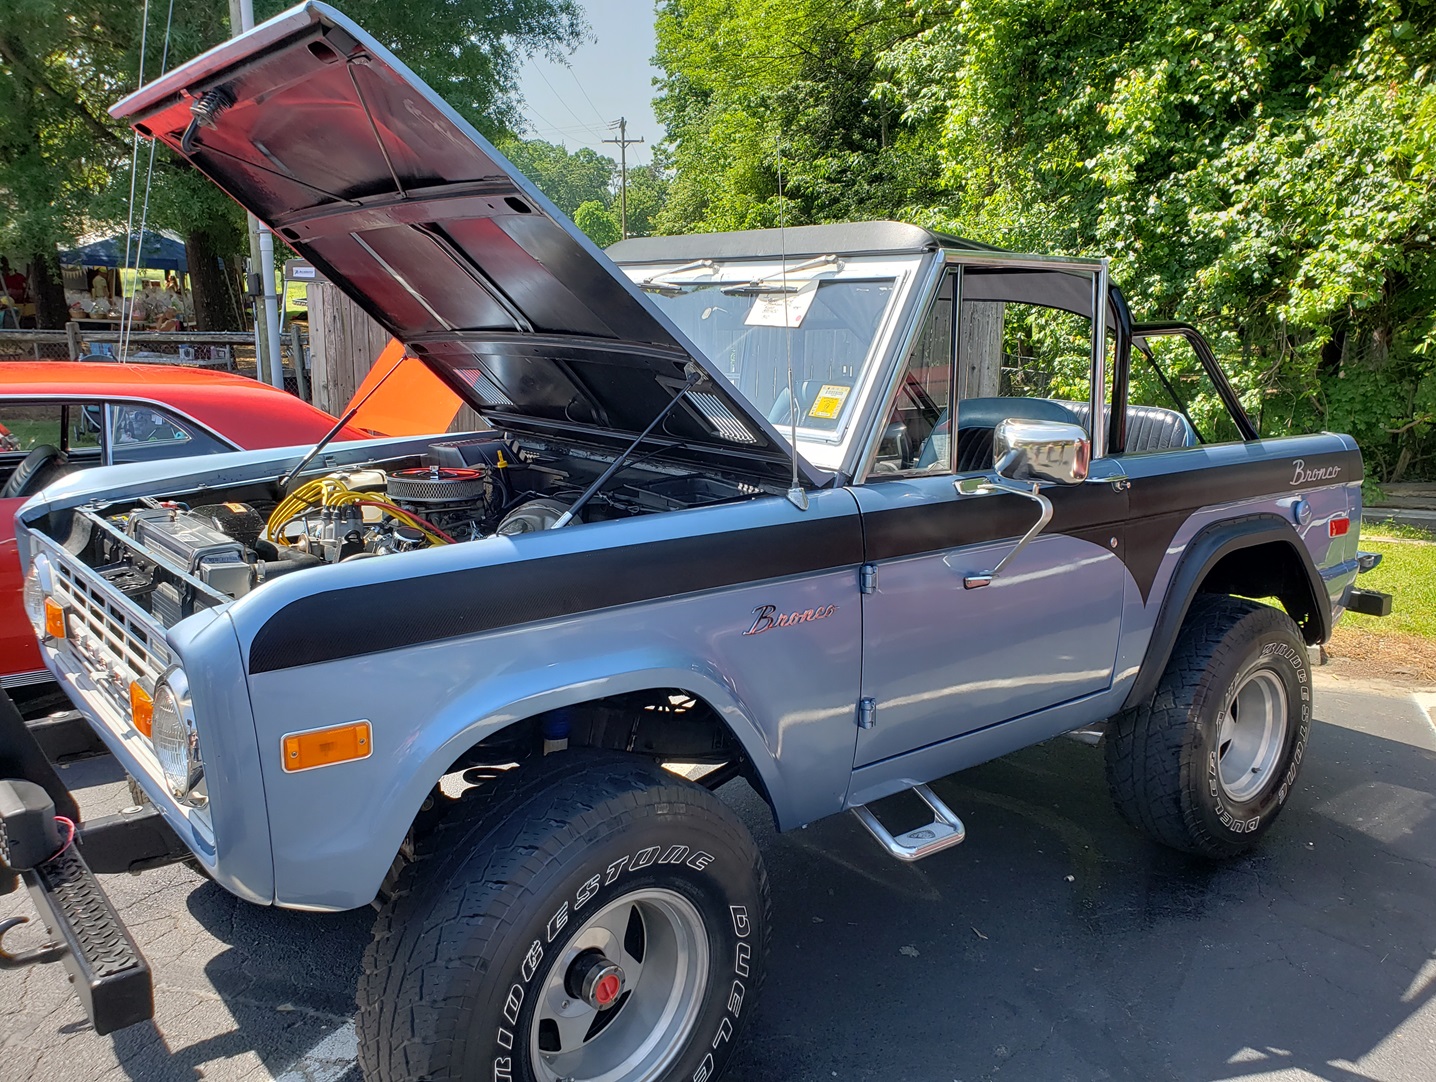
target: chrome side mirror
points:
(1041, 451)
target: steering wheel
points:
(32, 469)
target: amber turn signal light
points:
(54, 619)
(324, 747)
(142, 708)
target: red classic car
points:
(61, 416)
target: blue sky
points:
(605, 78)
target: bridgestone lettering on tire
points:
(1209, 761)
(588, 868)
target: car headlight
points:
(38, 585)
(174, 738)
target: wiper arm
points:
(695, 375)
(654, 282)
(757, 284)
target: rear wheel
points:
(1208, 762)
(600, 919)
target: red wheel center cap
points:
(607, 989)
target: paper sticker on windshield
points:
(829, 402)
(767, 310)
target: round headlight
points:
(38, 583)
(173, 735)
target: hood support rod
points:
(695, 376)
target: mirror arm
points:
(991, 486)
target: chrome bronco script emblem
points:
(766, 620)
(1302, 475)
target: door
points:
(943, 656)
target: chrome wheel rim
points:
(1252, 735)
(658, 939)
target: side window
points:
(1024, 349)
(916, 433)
(84, 425)
(27, 425)
(144, 433)
(1171, 401)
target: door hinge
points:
(867, 713)
(868, 578)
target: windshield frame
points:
(825, 448)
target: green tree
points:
(742, 79)
(600, 223)
(1259, 167)
(647, 194)
(65, 166)
(569, 179)
(1264, 168)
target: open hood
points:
(317, 129)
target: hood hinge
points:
(867, 713)
(868, 578)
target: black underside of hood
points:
(317, 129)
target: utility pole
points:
(268, 361)
(623, 143)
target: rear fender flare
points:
(1201, 555)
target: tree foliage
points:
(747, 83)
(65, 167)
(1263, 168)
(599, 222)
(570, 179)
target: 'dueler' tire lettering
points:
(1207, 763)
(541, 925)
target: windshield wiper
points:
(654, 282)
(757, 285)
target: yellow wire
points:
(330, 492)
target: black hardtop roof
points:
(846, 238)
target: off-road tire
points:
(1164, 762)
(479, 923)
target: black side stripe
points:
(339, 624)
(406, 612)
(1144, 518)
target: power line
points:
(584, 92)
(562, 101)
(623, 144)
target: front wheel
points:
(1206, 764)
(600, 919)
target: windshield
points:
(734, 313)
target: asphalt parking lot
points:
(1054, 945)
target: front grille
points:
(115, 640)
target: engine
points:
(173, 558)
(371, 513)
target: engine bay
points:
(174, 556)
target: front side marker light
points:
(142, 709)
(325, 747)
(54, 618)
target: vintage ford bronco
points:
(838, 510)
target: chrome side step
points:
(945, 831)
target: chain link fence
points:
(227, 351)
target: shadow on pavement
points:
(1055, 944)
(988, 963)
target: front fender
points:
(335, 830)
